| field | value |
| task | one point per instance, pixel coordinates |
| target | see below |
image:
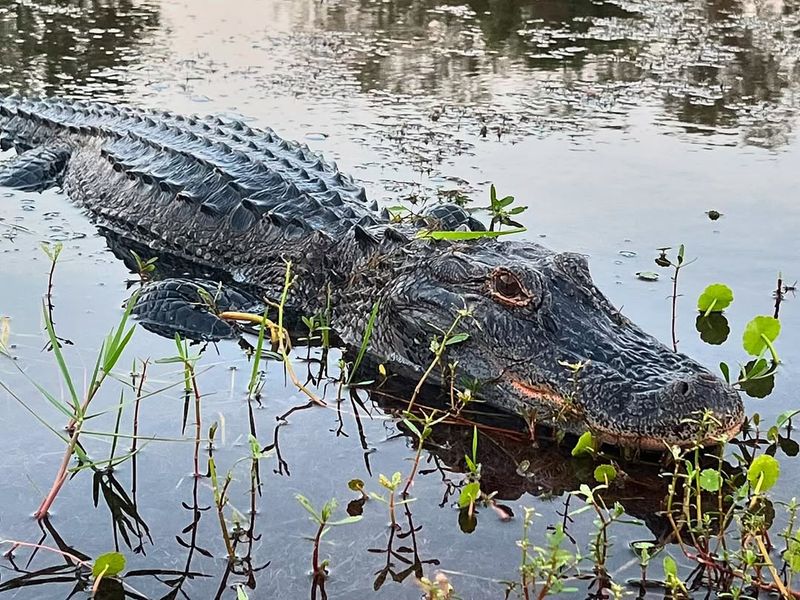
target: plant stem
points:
(315, 554)
(675, 306)
(74, 427)
(437, 357)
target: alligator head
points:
(534, 312)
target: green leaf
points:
(784, 417)
(328, 508)
(357, 485)
(710, 480)
(307, 505)
(605, 473)
(240, 593)
(55, 344)
(792, 554)
(759, 334)
(346, 520)
(503, 202)
(365, 340)
(670, 567)
(585, 444)
(457, 339)
(109, 564)
(763, 472)
(465, 235)
(715, 298)
(517, 210)
(398, 210)
(469, 494)
(726, 371)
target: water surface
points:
(618, 123)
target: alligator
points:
(233, 203)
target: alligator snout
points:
(694, 408)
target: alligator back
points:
(197, 185)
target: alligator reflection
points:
(512, 465)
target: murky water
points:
(619, 123)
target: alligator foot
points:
(191, 308)
(35, 170)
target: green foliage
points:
(356, 485)
(605, 473)
(670, 566)
(53, 251)
(252, 385)
(470, 494)
(457, 236)
(710, 480)
(322, 517)
(145, 268)
(391, 484)
(109, 564)
(715, 298)
(373, 315)
(673, 581)
(763, 473)
(759, 335)
(545, 566)
(241, 594)
(500, 211)
(585, 445)
(792, 553)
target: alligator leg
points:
(190, 308)
(35, 170)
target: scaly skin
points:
(233, 203)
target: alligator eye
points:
(506, 288)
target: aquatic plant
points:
(322, 518)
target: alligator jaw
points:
(568, 413)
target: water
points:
(618, 123)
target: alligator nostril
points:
(682, 388)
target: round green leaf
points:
(710, 480)
(469, 494)
(357, 485)
(605, 473)
(765, 469)
(109, 564)
(752, 340)
(715, 298)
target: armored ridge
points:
(230, 202)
